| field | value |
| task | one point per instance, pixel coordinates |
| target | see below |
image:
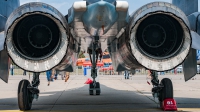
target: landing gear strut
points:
(27, 92)
(95, 52)
(162, 91)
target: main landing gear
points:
(27, 92)
(162, 91)
(94, 53)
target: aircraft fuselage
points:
(99, 17)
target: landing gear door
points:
(4, 65)
(190, 65)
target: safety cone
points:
(88, 81)
(169, 105)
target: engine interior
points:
(159, 36)
(36, 37)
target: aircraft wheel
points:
(167, 90)
(24, 96)
(91, 91)
(98, 87)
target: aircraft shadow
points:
(110, 99)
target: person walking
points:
(24, 73)
(53, 73)
(48, 73)
(11, 69)
(113, 73)
(66, 76)
(56, 75)
(126, 74)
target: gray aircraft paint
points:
(6, 8)
(187, 6)
(189, 65)
(106, 21)
(117, 27)
(2, 39)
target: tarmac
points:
(117, 94)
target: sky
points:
(64, 5)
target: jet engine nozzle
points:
(160, 36)
(36, 37)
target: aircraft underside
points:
(159, 36)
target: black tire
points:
(91, 91)
(167, 90)
(24, 96)
(98, 87)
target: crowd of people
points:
(53, 74)
(50, 74)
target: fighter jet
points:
(159, 36)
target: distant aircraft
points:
(158, 36)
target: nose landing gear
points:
(95, 88)
(95, 52)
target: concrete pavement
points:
(117, 94)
